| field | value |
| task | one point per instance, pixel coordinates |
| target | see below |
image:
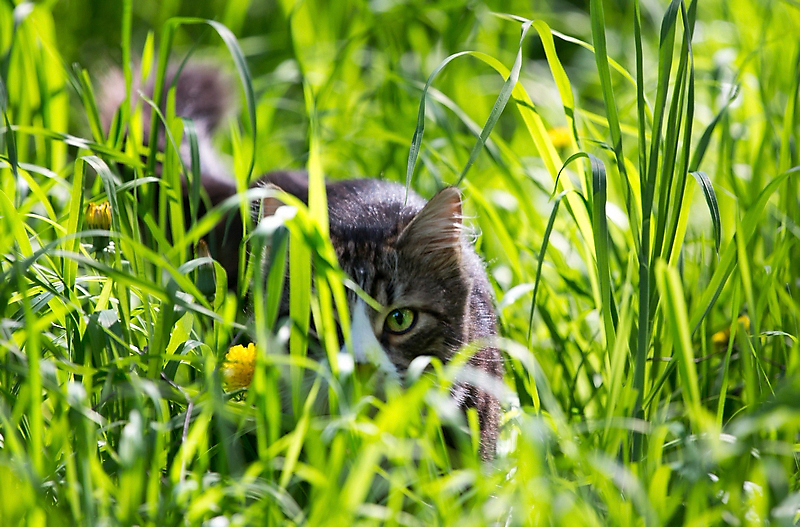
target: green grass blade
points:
(713, 206)
(671, 290)
(601, 242)
(499, 106)
(419, 131)
(601, 58)
(74, 216)
(676, 163)
(545, 240)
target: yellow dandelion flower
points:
(721, 338)
(238, 368)
(560, 136)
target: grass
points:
(635, 185)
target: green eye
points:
(399, 321)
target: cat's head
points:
(408, 256)
(430, 289)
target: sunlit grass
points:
(635, 187)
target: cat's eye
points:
(400, 321)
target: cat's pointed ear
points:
(436, 229)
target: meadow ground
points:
(631, 167)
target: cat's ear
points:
(436, 229)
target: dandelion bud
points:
(99, 217)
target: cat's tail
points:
(203, 93)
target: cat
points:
(411, 256)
